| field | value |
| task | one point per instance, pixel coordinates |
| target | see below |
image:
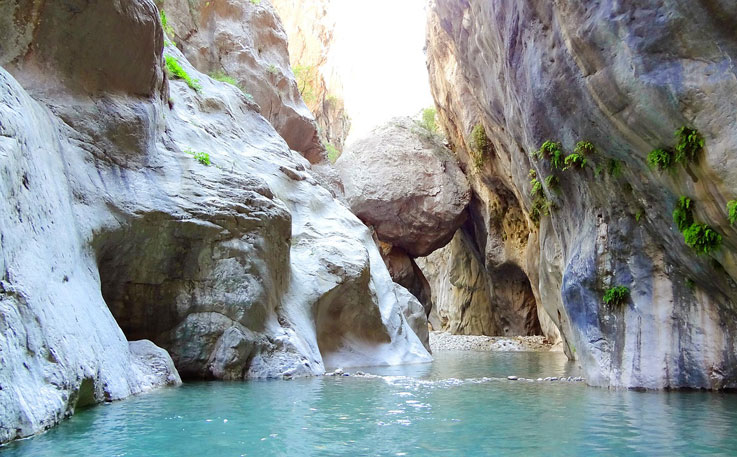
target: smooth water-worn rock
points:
(624, 76)
(404, 183)
(246, 41)
(468, 300)
(136, 208)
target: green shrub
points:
(615, 296)
(732, 211)
(662, 159)
(690, 143)
(584, 147)
(537, 188)
(553, 151)
(683, 213)
(201, 157)
(702, 238)
(333, 152)
(175, 70)
(307, 77)
(479, 139)
(428, 120)
(576, 160)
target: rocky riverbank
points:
(443, 341)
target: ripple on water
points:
(462, 404)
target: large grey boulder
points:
(404, 183)
(623, 75)
(115, 228)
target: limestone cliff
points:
(140, 206)
(310, 27)
(617, 79)
(245, 40)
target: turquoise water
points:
(446, 408)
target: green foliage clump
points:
(702, 238)
(428, 120)
(255, 2)
(479, 145)
(575, 160)
(552, 182)
(732, 211)
(224, 78)
(537, 186)
(683, 213)
(307, 79)
(541, 206)
(690, 143)
(272, 69)
(553, 151)
(614, 167)
(333, 152)
(175, 70)
(662, 159)
(201, 157)
(168, 29)
(584, 148)
(615, 296)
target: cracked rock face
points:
(113, 230)
(624, 76)
(405, 184)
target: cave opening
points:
(512, 293)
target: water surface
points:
(459, 405)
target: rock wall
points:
(246, 41)
(623, 76)
(311, 27)
(135, 207)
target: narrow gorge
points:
(205, 191)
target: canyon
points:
(180, 201)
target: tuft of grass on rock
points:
(553, 151)
(732, 212)
(201, 157)
(702, 238)
(661, 159)
(175, 70)
(690, 144)
(616, 296)
(683, 213)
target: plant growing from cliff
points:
(174, 69)
(683, 213)
(662, 159)
(333, 152)
(541, 206)
(702, 238)
(689, 145)
(732, 211)
(552, 182)
(201, 157)
(429, 120)
(168, 29)
(272, 69)
(307, 80)
(537, 186)
(575, 160)
(255, 2)
(479, 145)
(614, 167)
(552, 151)
(585, 148)
(616, 296)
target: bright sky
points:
(378, 51)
